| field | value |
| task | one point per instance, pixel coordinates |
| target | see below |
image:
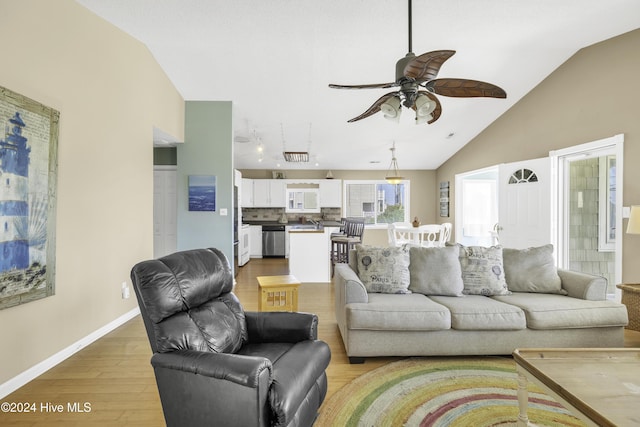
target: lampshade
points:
(424, 106)
(633, 227)
(393, 175)
(391, 108)
(423, 119)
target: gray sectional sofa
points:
(459, 300)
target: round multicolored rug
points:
(424, 392)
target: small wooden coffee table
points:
(600, 386)
(278, 293)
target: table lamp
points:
(633, 227)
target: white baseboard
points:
(23, 378)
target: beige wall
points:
(422, 203)
(110, 93)
(593, 95)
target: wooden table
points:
(600, 386)
(278, 293)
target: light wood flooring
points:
(114, 377)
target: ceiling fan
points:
(414, 73)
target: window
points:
(377, 201)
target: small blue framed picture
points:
(202, 193)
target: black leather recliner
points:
(216, 364)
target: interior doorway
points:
(588, 208)
(165, 225)
(477, 215)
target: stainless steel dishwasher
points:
(273, 241)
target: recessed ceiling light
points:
(451, 134)
(373, 162)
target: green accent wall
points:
(207, 150)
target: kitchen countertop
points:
(292, 223)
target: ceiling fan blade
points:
(463, 88)
(426, 66)
(369, 86)
(375, 107)
(437, 111)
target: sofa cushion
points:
(410, 312)
(480, 313)
(435, 271)
(532, 270)
(548, 311)
(384, 269)
(482, 270)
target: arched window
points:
(522, 176)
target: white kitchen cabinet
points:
(277, 190)
(244, 237)
(255, 241)
(331, 193)
(287, 241)
(309, 257)
(269, 193)
(246, 193)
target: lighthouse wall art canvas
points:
(28, 179)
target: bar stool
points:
(342, 244)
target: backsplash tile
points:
(274, 214)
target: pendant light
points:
(393, 175)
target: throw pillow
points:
(482, 270)
(435, 271)
(532, 270)
(384, 270)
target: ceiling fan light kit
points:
(391, 109)
(416, 72)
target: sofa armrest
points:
(281, 326)
(348, 286)
(582, 285)
(239, 369)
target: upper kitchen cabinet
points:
(246, 193)
(269, 193)
(331, 193)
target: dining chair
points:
(445, 235)
(391, 234)
(430, 235)
(402, 233)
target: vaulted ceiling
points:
(274, 60)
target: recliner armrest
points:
(243, 370)
(281, 326)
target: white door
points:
(524, 200)
(165, 227)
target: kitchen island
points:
(309, 250)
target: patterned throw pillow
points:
(482, 271)
(384, 270)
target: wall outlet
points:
(126, 293)
(224, 212)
